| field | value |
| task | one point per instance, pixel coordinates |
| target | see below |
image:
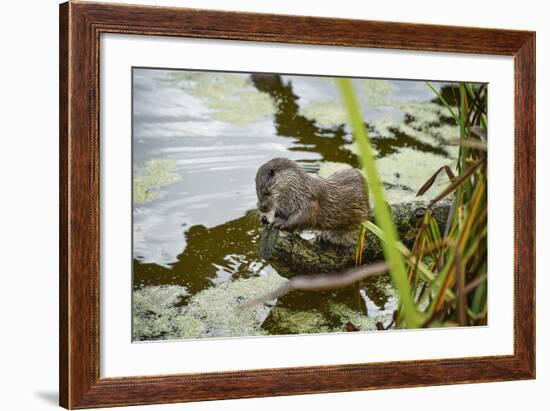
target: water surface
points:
(198, 139)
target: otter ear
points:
(271, 172)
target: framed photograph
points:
(260, 205)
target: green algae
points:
(325, 113)
(425, 121)
(375, 92)
(232, 97)
(218, 311)
(345, 314)
(415, 168)
(352, 148)
(406, 170)
(222, 310)
(327, 168)
(331, 113)
(384, 124)
(287, 321)
(156, 312)
(284, 320)
(156, 174)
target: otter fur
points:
(291, 199)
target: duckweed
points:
(156, 174)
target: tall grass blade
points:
(440, 97)
(412, 317)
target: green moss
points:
(156, 174)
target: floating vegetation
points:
(156, 311)
(327, 168)
(424, 121)
(156, 174)
(376, 92)
(231, 96)
(346, 315)
(385, 124)
(288, 321)
(414, 168)
(330, 113)
(402, 173)
(222, 311)
(217, 311)
(325, 113)
(337, 318)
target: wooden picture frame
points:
(80, 27)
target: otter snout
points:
(264, 208)
(266, 217)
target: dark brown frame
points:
(80, 27)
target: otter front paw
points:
(279, 223)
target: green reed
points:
(442, 279)
(383, 214)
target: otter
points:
(290, 199)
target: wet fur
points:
(291, 199)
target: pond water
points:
(198, 139)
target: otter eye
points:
(271, 172)
(266, 193)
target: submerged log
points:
(291, 255)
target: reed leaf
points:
(424, 271)
(440, 97)
(426, 186)
(457, 182)
(412, 317)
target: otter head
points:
(267, 179)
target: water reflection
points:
(211, 255)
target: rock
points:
(292, 255)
